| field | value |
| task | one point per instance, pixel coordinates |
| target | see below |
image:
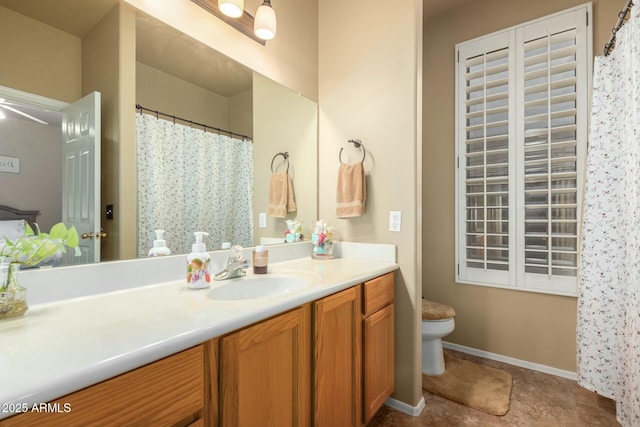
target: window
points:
(521, 134)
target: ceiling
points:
(165, 48)
(53, 118)
(64, 14)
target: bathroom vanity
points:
(319, 352)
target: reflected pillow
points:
(12, 229)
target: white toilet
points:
(437, 322)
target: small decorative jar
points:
(322, 239)
(13, 297)
(323, 250)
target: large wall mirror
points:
(175, 75)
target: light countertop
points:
(63, 346)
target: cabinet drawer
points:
(377, 293)
(164, 393)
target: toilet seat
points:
(435, 311)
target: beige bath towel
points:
(281, 197)
(351, 192)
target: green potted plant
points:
(29, 250)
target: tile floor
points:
(537, 399)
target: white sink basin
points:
(259, 286)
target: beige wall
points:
(127, 153)
(533, 327)
(38, 59)
(160, 91)
(101, 62)
(283, 121)
(369, 87)
(38, 186)
(241, 113)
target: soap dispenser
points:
(198, 268)
(159, 245)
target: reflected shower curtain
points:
(190, 180)
(608, 331)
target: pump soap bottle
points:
(159, 245)
(198, 268)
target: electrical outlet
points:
(262, 220)
(395, 221)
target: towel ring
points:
(286, 157)
(356, 143)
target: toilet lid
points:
(435, 311)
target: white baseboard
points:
(414, 411)
(512, 361)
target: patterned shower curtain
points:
(190, 180)
(608, 332)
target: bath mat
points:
(479, 387)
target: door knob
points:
(87, 235)
(101, 234)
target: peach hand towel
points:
(291, 201)
(351, 191)
(281, 199)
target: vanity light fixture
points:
(231, 8)
(244, 23)
(265, 23)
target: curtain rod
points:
(205, 127)
(621, 15)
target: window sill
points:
(573, 294)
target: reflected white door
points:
(81, 175)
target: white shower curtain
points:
(190, 180)
(608, 332)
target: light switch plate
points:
(395, 221)
(262, 220)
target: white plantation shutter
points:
(521, 137)
(485, 160)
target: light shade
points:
(231, 8)
(2, 115)
(265, 23)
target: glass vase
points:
(13, 297)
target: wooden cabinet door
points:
(378, 360)
(264, 373)
(337, 359)
(212, 393)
